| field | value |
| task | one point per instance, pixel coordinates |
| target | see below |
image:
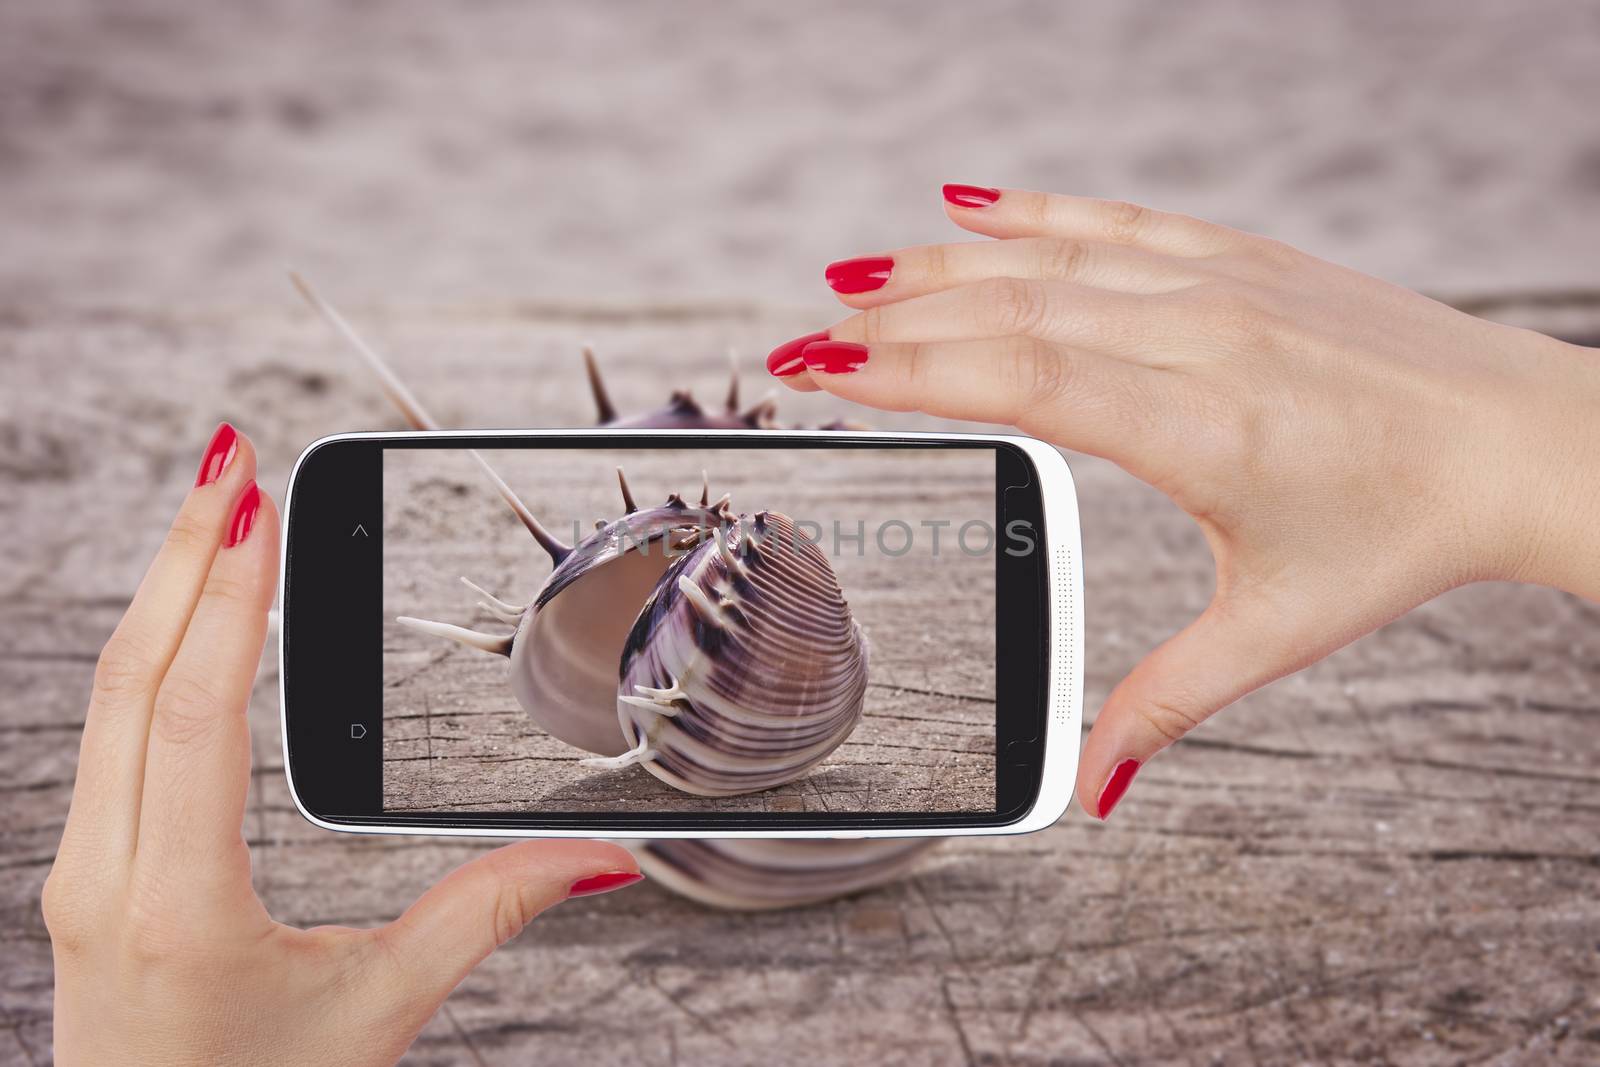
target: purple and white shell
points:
(741, 669)
(739, 873)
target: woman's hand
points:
(163, 954)
(1349, 448)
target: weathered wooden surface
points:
(1392, 854)
(455, 738)
(1390, 858)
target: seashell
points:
(745, 669)
(722, 659)
(740, 873)
(565, 650)
(742, 670)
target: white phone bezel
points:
(1063, 721)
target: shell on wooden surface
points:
(742, 873)
(741, 668)
(722, 659)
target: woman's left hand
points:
(163, 952)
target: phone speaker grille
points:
(1065, 614)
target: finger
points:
(1127, 325)
(1225, 653)
(801, 383)
(868, 281)
(786, 364)
(1081, 400)
(485, 903)
(197, 770)
(1020, 213)
(104, 817)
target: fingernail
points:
(861, 275)
(970, 195)
(786, 361)
(834, 357)
(1117, 784)
(244, 514)
(219, 453)
(602, 883)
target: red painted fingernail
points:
(861, 275)
(602, 883)
(1117, 784)
(219, 453)
(785, 360)
(970, 195)
(244, 514)
(834, 357)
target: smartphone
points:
(655, 633)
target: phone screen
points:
(739, 631)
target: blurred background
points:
(1389, 858)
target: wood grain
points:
(1388, 857)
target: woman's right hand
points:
(1349, 448)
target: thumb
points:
(1224, 654)
(483, 904)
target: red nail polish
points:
(244, 515)
(1117, 784)
(785, 360)
(861, 275)
(970, 196)
(219, 453)
(834, 357)
(603, 883)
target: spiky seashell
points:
(745, 669)
(741, 670)
(737, 873)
